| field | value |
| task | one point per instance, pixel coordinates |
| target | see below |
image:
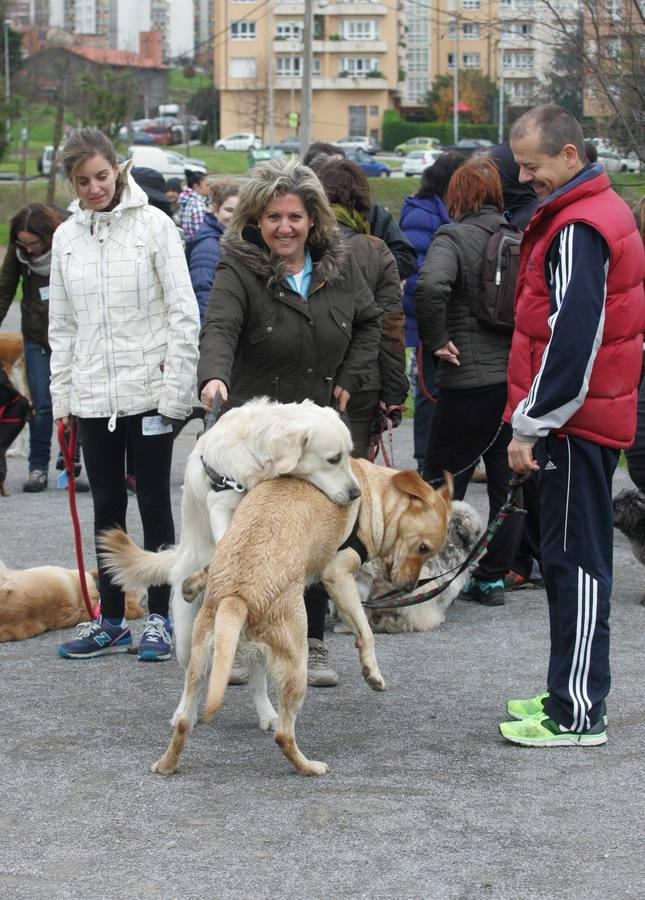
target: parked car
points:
(240, 141)
(142, 137)
(419, 160)
(358, 142)
(170, 164)
(166, 135)
(471, 146)
(46, 160)
(287, 145)
(254, 155)
(417, 143)
(373, 168)
(192, 163)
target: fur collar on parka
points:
(251, 250)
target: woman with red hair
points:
(472, 362)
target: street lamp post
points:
(500, 116)
(7, 72)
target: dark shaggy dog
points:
(629, 518)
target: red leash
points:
(424, 390)
(68, 456)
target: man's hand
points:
(210, 390)
(448, 352)
(520, 457)
(342, 398)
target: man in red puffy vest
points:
(573, 375)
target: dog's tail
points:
(229, 620)
(131, 567)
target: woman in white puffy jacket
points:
(123, 330)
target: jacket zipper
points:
(112, 420)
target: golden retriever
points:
(36, 600)
(284, 534)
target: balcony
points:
(296, 8)
(285, 83)
(367, 46)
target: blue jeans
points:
(40, 425)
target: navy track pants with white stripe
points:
(576, 524)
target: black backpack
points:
(495, 301)
(492, 300)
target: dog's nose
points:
(354, 493)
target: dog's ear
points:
(412, 483)
(284, 451)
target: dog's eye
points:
(423, 548)
(335, 459)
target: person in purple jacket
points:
(421, 215)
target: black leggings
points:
(104, 454)
(463, 425)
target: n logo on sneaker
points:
(550, 465)
(102, 639)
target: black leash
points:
(397, 599)
(213, 413)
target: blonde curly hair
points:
(275, 178)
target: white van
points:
(46, 160)
(171, 165)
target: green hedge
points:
(396, 130)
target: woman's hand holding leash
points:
(210, 391)
(68, 423)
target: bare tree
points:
(610, 45)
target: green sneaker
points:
(541, 731)
(526, 709)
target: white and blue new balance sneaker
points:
(155, 642)
(97, 638)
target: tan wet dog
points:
(47, 597)
(284, 534)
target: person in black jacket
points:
(382, 223)
(472, 363)
(28, 260)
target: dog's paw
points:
(314, 767)
(374, 679)
(269, 723)
(161, 767)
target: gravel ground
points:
(423, 798)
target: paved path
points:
(423, 799)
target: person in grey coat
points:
(472, 362)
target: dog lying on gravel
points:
(464, 529)
(284, 534)
(36, 600)
(629, 518)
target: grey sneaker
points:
(240, 671)
(36, 482)
(319, 672)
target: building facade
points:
(355, 72)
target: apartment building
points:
(520, 35)
(355, 66)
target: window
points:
(243, 31)
(291, 66)
(373, 110)
(471, 61)
(417, 60)
(243, 67)
(418, 31)
(416, 89)
(517, 29)
(358, 65)
(614, 9)
(359, 29)
(518, 60)
(470, 31)
(519, 90)
(451, 60)
(470, 4)
(289, 31)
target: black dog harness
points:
(221, 482)
(353, 542)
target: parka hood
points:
(131, 196)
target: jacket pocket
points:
(342, 320)
(142, 273)
(263, 331)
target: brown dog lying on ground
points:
(284, 534)
(36, 600)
